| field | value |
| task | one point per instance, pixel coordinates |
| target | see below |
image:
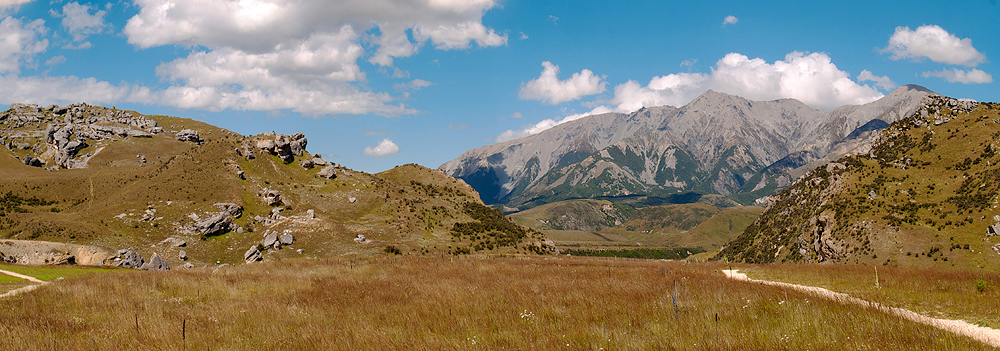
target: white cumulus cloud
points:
(546, 124)
(79, 22)
(973, 76)
(261, 25)
(934, 43)
(302, 55)
(808, 77)
(673, 89)
(7, 4)
(415, 84)
(55, 60)
(549, 89)
(730, 20)
(882, 82)
(69, 89)
(383, 149)
(20, 42)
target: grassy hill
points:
(926, 195)
(138, 191)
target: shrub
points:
(392, 250)
(982, 285)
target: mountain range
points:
(718, 143)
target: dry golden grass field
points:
(468, 302)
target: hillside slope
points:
(119, 179)
(927, 194)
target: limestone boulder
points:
(270, 238)
(231, 209)
(188, 135)
(156, 263)
(252, 255)
(217, 223)
(266, 145)
(297, 144)
(129, 259)
(271, 197)
(33, 162)
(328, 172)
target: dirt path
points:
(28, 288)
(988, 336)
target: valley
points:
(499, 175)
(604, 225)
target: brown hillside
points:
(136, 185)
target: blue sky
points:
(379, 83)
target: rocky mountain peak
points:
(717, 143)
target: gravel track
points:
(28, 288)
(988, 336)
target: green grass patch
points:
(6, 279)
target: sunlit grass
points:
(449, 303)
(965, 295)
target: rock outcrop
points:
(271, 241)
(232, 209)
(31, 161)
(218, 222)
(252, 255)
(188, 135)
(270, 238)
(35, 252)
(271, 197)
(156, 263)
(328, 172)
(284, 146)
(71, 128)
(128, 259)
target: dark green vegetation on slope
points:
(926, 195)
